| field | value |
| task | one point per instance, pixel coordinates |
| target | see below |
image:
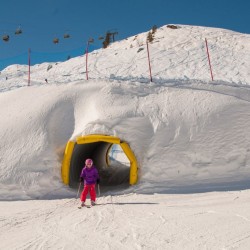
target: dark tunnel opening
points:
(113, 174)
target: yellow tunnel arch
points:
(91, 146)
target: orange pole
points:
(149, 65)
(209, 61)
(29, 67)
(87, 52)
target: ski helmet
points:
(88, 162)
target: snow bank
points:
(187, 135)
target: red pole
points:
(209, 61)
(149, 65)
(29, 67)
(87, 52)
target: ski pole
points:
(99, 193)
(78, 189)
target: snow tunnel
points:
(97, 147)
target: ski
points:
(87, 206)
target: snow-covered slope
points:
(189, 135)
(187, 132)
(132, 221)
(176, 54)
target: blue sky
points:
(43, 20)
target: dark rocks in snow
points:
(49, 67)
(171, 26)
(140, 49)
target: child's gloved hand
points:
(98, 181)
(81, 179)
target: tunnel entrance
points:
(112, 171)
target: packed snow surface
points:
(188, 133)
(133, 221)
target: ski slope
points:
(132, 221)
(190, 135)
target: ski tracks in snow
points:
(133, 221)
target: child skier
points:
(90, 176)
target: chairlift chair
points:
(91, 40)
(56, 40)
(66, 35)
(18, 31)
(6, 38)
